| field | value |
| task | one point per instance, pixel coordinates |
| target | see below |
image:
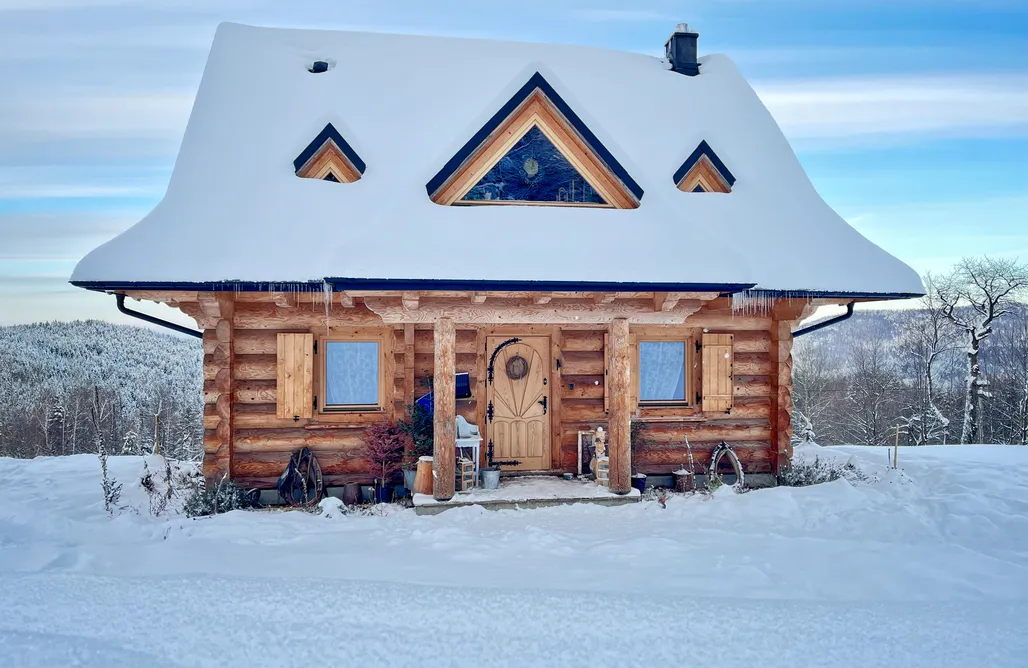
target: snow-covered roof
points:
(235, 210)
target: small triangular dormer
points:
(703, 172)
(535, 150)
(329, 158)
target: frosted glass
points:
(351, 373)
(533, 170)
(662, 371)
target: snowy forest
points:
(954, 370)
(149, 384)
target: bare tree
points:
(872, 391)
(926, 337)
(973, 296)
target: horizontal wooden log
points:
(584, 341)
(752, 364)
(256, 392)
(327, 440)
(271, 316)
(582, 364)
(210, 370)
(747, 451)
(751, 386)
(255, 367)
(268, 464)
(256, 341)
(582, 410)
(582, 387)
(752, 342)
(525, 311)
(666, 469)
(424, 365)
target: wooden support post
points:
(444, 391)
(620, 417)
(408, 365)
(781, 395)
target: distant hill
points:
(48, 372)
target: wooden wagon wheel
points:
(722, 450)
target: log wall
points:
(245, 438)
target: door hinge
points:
(489, 412)
(544, 402)
(558, 364)
(699, 399)
(315, 402)
(698, 346)
(315, 347)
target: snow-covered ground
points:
(927, 566)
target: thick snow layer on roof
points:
(234, 209)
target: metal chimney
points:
(680, 50)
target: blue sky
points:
(911, 116)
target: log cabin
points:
(595, 237)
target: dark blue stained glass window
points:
(699, 189)
(533, 171)
(331, 177)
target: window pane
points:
(533, 171)
(351, 373)
(662, 371)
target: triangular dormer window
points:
(703, 172)
(535, 150)
(329, 158)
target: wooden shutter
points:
(295, 376)
(717, 382)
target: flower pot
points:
(408, 478)
(639, 481)
(490, 478)
(684, 481)
(383, 494)
(352, 494)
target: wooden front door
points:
(518, 402)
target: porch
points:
(516, 492)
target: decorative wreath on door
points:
(517, 367)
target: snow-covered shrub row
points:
(150, 387)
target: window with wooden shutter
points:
(717, 382)
(295, 386)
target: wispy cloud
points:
(96, 114)
(621, 15)
(899, 105)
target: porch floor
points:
(528, 492)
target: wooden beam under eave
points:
(543, 299)
(410, 300)
(162, 296)
(346, 300)
(478, 297)
(604, 297)
(285, 299)
(209, 304)
(526, 312)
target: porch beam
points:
(542, 299)
(478, 297)
(346, 300)
(410, 300)
(522, 311)
(444, 393)
(620, 417)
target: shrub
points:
(221, 498)
(804, 474)
(419, 428)
(384, 445)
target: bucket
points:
(639, 481)
(490, 478)
(352, 494)
(383, 494)
(408, 478)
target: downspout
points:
(154, 321)
(825, 323)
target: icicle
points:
(327, 294)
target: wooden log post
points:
(444, 392)
(619, 446)
(781, 396)
(218, 445)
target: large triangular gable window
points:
(703, 172)
(329, 158)
(535, 150)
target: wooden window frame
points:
(321, 358)
(691, 370)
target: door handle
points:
(544, 402)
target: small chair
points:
(469, 438)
